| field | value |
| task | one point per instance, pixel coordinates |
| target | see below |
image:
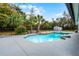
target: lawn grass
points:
(7, 33)
(69, 30)
(62, 30)
(13, 33)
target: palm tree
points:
(39, 21)
(32, 21)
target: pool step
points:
(65, 36)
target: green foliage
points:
(3, 20)
(20, 30)
(11, 16)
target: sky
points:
(47, 10)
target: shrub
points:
(20, 30)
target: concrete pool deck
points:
(17, 46)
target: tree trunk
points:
(31, 29)
(38, 29)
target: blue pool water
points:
(39, 38)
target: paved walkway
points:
(17, 46)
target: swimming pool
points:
(40, 38)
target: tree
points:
(39, 21)
(11, 16)
(5, 13)
(3, 21)
(66, 22)
(31, 19)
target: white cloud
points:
(27, 13)
(30, 6)
(37, 10)
(23, 6)
(59, 15)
